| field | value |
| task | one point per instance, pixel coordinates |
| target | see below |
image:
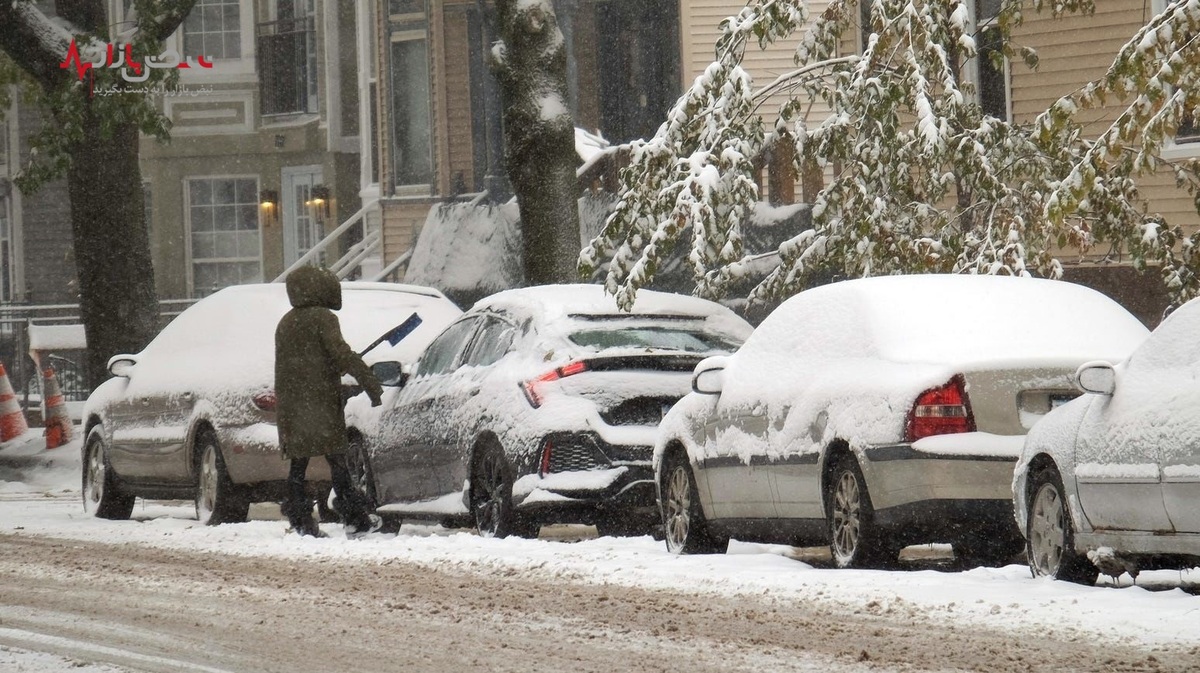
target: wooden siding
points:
(458, 125)
(1075, 50)
(402, 222)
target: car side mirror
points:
(1098, 378)
(390, 373)
(709, 376)
(122, 365)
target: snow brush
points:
(396, 334)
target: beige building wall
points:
(1078, 49)
(701, 21)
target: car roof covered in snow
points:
(952, 319)
(229, 336)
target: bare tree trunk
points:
(112, 247)
(539, 138)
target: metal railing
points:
(286, 67)
(368, 243)
(14, 344)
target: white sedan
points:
(1111, 481)
(873, 414)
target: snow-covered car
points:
(538, 405)
(192, 415)
(873, 414)
(1111, 481)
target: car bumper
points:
(589, 496)
(939, 493)
(252, 456)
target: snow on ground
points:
(39, 496)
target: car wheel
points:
(218, 501)
(854, 540)
(491, 498)
(684, 528)
(359, 467)
(102, 497)
(1050, 536)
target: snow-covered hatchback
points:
(872, 414)
(538, 405)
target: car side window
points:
(491, 343)
(442, 355)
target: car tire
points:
(1049, 534)
(685, 530)
(359, 466)
(218, 500)
(854, 539)
(102, 498)
(491, 498)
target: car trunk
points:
(632, 389)
(1009, 401)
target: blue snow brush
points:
(396, 334)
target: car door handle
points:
(145, 401)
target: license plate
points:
(1059, 400)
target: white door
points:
(303, 225)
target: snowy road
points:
(161, 593)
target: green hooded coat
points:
(310, 358)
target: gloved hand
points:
(375, 392)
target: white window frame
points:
(187, 220)
(240, 69)
(413, 188)
(1172, 150)
(971, 67)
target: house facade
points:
(264, 157)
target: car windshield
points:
(657, 337)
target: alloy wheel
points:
(1047, 531)
(94, 476)
(678, 509)
(847, 518)
(492, 497)
(206, 498)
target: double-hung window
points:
(225, 244)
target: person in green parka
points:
(310, 358)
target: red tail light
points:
(264, 399)
(530, 387)
(547, 453)
(941, 411)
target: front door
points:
(303, 214)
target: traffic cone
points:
(12, 419)
(58, 421)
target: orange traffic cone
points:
(12, 419)
(58, 421)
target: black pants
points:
(349, 503)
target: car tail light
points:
(547, 453)
(264, 399)
(943, 410)
(530, 387)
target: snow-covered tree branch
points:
(920, 177)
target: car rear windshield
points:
(667, 337)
